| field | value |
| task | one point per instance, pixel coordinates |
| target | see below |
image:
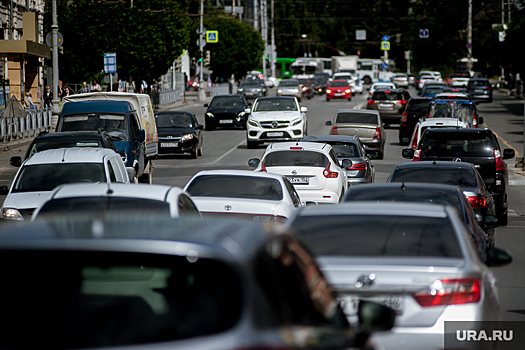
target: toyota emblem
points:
(457, 160)
(294, 172)
(275, 124)
(227, 207)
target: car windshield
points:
(304, 81)
(463, 177)
(114, 124)
(386, 236)
(45, 144)
(275, 105)
(175, 120)
(289, 83)
(227, 102)
(456, 145)
(104, 298)
(45, 177)
(356, 118)
(343, 76)
(230, 186)
(344, 149)
(377, 87)
(339, 84)
(296, 158)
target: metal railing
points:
(19, 128)
(220, 89)
(166, 98)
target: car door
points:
(139, 156)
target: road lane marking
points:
(230, 151)
(504, 141)
(512, 213)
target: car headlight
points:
(11, 214)
(210, 115)
(296, 121)
(258, 90)
(279, 91)
(328, 91)
(347, 90)
(304, 88)
(241, 114)
(253, 123)
(296, 90)
(240, 89)
(187, 137)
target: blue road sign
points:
(423, 33)
(384, 65)
(110, 62)
(385, 38)
(212, 36)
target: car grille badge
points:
(275, 124)
(227, 207)
(294, 172)
(365, 280)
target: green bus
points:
(282, 67)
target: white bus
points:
(305, 67)
(371, 71)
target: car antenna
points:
(403, 187)
(64, 156)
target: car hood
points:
(25, 200)
(281, 115)
(174, 131)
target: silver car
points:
(415, 258)
(290, 87)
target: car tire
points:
(252, 144)
(300, 99)
(209, 127)
(199, 151)
(193, 153)
(327, 99)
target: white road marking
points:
(512, 213)
(230, 151)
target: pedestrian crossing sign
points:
(212, 36)
(385, 45)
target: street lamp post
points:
(54, 27)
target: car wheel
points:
(252, 144)
(193, 153)
(209, 127)
(327, 99)
(199, 151)
(300, 99)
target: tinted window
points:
(338, 84)
(388, 96)
(448, 176)
(442, 110)
(236, 187)
(275, 104)
(45, 177)
(105, 299)
(250, 82)
(296, 158)
(456, 144)
(345, 149)
(409, 236)
(181, 120)
(42, 145)
(356, 118)
(418, 105)
(433, 91)
(114, 124)
(227, 102)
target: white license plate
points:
(338, 94)
(350, 303)
(385, 105)
(299, 180)
(225, 121)
(169, 144)
(273, 134)
(479, 90)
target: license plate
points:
(298, 180)
(169, 144)
(225, 121)
(338, 94)
(479, 90)
(385, 105)
(350, 303)
(273, 134)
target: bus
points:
(306, 68)
(371, 71)
(283, 68)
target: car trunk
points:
(302, 177)
(364, 132)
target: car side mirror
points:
(199, 127)
(497, 257)
(142, 136)
(247, 110)
(16, 161)
(490, 221)
(304, 109)
(205, 105)
(508, 153)
(375, 317)
(329, 123)
(4, 190)
(254, 162)
(480, 120)
(346, 163)
(408, 153)
(372, 154)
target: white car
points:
(169, 201)
(382, 85)
(243, 194)
(311, 167)
(275, 119)
(452, 96)
(358, 86)
(426, 123)
(48, 169)
(422, 80)
(400, 79)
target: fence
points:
(18, 128)
(220, 89)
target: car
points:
(338, 89)
(193, 85)
(479, 147)
(381, 85)
(179, 132)
(46, 170)
(480, 89)
(417, 258)
(276, 119)
(437, 75)
(432, 194)
(460, 174)
(422, 79)
(362, 170)
(431, 90)
(455, 96)
(401, 80)
(290, 87)
(145, 281)
(344, 76)
(365, 124)
(411, 79)
(426, 123)
(432, 82)
(458, 80)
(319, 85)
(256, 196)
(311, 167)
(358, 86)
(93, 199)
(416, 109)
(391, 104)
(251, 88)
(45, 141)
(442, 109)
(226, 110)
(307, 88)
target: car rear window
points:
(231, 186)
(344, 149)
(418, 105)
(91, 299)
(177, 120)
(478, 83)
(456, 144)
(386, 236)
(387, 96)
(356, 118)
(433, 91)
(296, 158)
(227, 102)
(463, 177)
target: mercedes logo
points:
(275, 124)
(227, 207)
(294, 172)
(457, 160)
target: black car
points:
(416, 108)
(179, 132)
(45, 141)
(480, 89)
(252, 88)
(477, 146)
(319, 85)
(459, 174)
(226, 110)
(426, 193)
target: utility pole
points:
(469, 36)
(11, 22)
(54, 28)
(502, 14)
(273, 45)
(264, 29)
(202, 93)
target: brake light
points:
(500, 165)
(359, 166)
(296, 148)
(328, 173)
(377, 134)
(263, 168)
(414, 139)
(386, 92)
(417, 155)
(450, 292)
(402, 102)
(334, 130)
(475, 121)
(487, 88)
(371, 102)
(404, 118)
(477, 201)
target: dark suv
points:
(416, 108)
(480, 89)
(390, 104)
(477, 146)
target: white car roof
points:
(443, 121)
(146, 191)
(369, 111)
(71, 155)
(445, 94)
(383, 83)
(305, 146)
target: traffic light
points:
(207, 59)
(193, 60)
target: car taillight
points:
(470, 88)
(404, 118)
(414, 139)
(328, 173)
(500, 165)
(334, 130)
(477, 201)
(475, 121)
(417, 155)
(371, 102)
(402, 102)
(358, 166)
(450, 292)
(377, 134)
(487, 88)
(263, 168)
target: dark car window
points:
(418, 105)
(110, 299)
(387, 96)
(227, 102)
(176, 120)
(186, 206)
(356, 118)
(433, 91)
(249, 82)
(45, 144)
(289, 83)
(481, 83)
(455, 144)
(464, 177)
(296, 158)
(236, 187)
(338, 84)
(344, 149)
(134, 125)
(442, 110)
(114, 124)
(386, 235)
